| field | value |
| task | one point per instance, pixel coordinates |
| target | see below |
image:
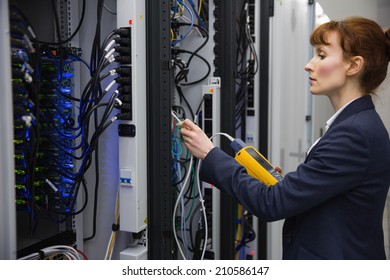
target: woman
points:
(334, 202)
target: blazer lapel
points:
(360, 104)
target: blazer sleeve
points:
(338, 163)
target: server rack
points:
(7, 191)
(226, 69)
(160, 88)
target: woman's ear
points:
(355, 65)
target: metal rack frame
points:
(7, 183)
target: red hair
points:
(360, 37)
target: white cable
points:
(176, 205)
(203, 210)
(183, 224)
(202, 203)
(176, 117)
(51, 185)
(200, 195)
(183, 218)
(106, 256)
(109, 54)
(223, 134)
(109, 45)
(29, 43)
(111, 59)
(51, 251)
(28, 120)
(28, 78)
(118, 101)
(33, 256)
(181, 197)
(113, 82)
(111, 241)
(63, 248)
(29, 28)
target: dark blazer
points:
(333, 203)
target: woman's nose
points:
(308, 67)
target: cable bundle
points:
(55, 143)
(59, 252)
(190, 226)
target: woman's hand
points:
(279, 169)
(195, 139)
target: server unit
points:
(45, 136)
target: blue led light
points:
(67, 75)
(66, 90)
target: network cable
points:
(180, 197)
(115, 228)
(56, 252)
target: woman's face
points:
(327, 69)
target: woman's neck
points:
(346, 94)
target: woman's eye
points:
(321, 56)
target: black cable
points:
(90, 101)
(180, 92)
(99, 130)
(199, 106)
(179, 110)
(196, 209)
(108, 10)
(31, 143)
(96, 49)
(201, 46)
(95, 199)
(73, 202)
(59, 91)
(181, 180)
(45, 121)
(67, 40)
(182, 75)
